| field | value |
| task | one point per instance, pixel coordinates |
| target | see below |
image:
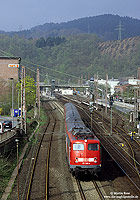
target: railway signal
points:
(53, 88)
(91, 106)
(111, 101)
(92, 89)
(111, 105)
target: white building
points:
(112, 83)
(133, 81)
(66, 91)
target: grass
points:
(8, 165)
(43, 117)
(6, 169)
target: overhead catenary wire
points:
(41, 74)
(40, 66)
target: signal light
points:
(111, 100)
(138, 116)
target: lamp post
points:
(12, 100)
(17, 141)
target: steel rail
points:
(80, 190)
(118, 154)
(35, 161)
(48, 160)
(133, 167)
(130, 146)
(33, 169)
(138, 188)
(98, 190)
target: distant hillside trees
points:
(50, 41)
(74, 56)
(105, 26)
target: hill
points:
(74, 56)
(104, 26)
(118, 48)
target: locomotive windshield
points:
(78, 147)
(93, 147)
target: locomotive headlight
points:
(76, 160)
(85, 140)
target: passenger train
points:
(82, 146)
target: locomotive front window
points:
(78, 147)
(93, 147)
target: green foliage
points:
(30, 91)
(80, 55)
(50, 41)
(41, 43)
(5, 173)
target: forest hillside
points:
(66, 58)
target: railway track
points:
(38, 184)
(89, 190)
(124, 160)
(134, 146)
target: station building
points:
(9, 67)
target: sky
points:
(17, 15)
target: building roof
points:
(10, 58)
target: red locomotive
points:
(82, 146)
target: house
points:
(121, 88)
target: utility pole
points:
(137, 102)
(82, 79)
(106, 94)
(17, 144)
(38, 92)
(138, 105)
(91, 103)
(96, 89)
(97, 92)
(88, 28)
(23, 100)
(12, 112)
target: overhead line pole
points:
(38, 92)
(23, 101)
(120, 29)
(106, 94)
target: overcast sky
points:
(18, 15)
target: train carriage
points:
(82, 146)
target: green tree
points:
(41, 43)
(30, 91)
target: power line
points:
(42, 74)
(40, 66)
